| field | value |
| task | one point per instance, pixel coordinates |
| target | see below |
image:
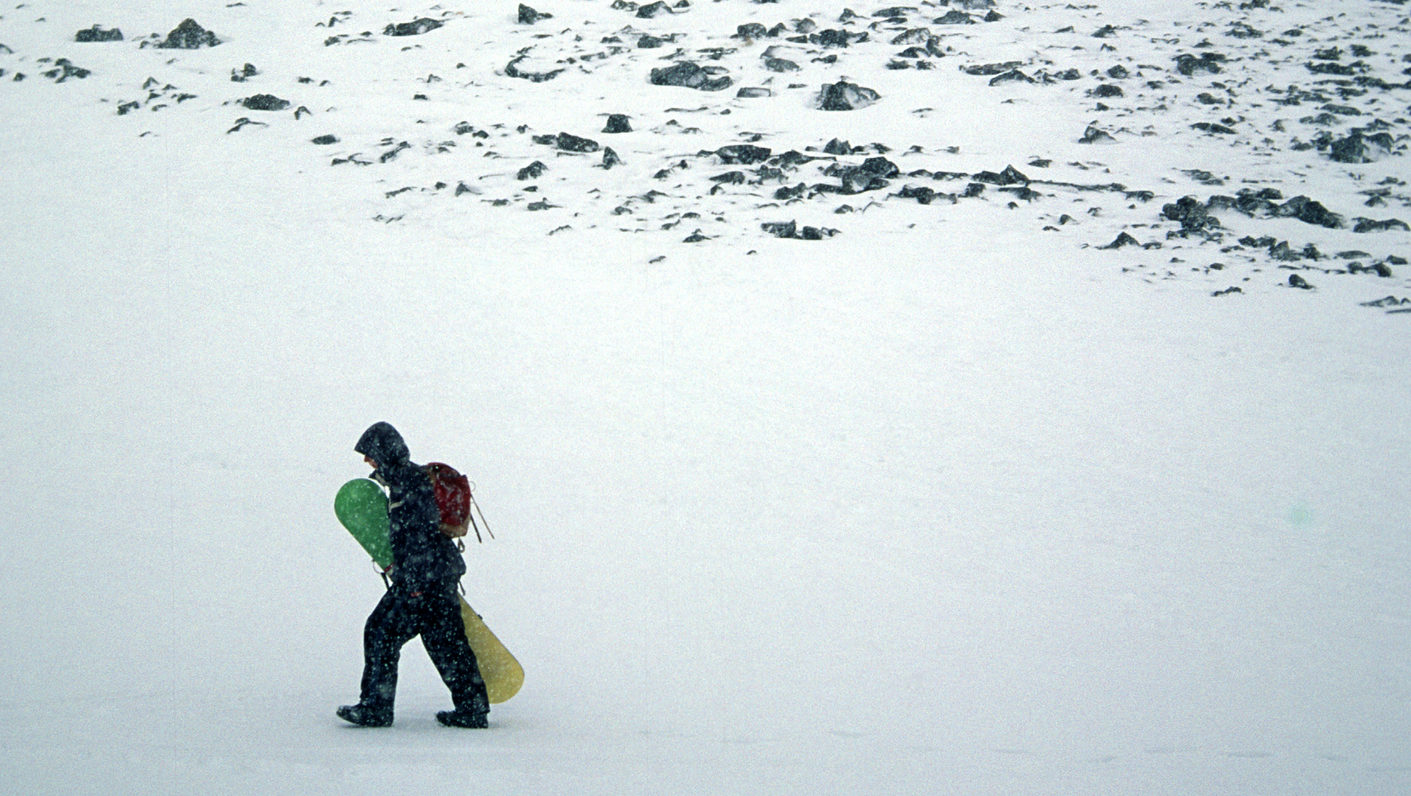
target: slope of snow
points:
(952, 500)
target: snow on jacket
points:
(421, 554)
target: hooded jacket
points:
(421, 554)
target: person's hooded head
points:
(383, 445)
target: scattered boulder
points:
(688, 74)
(1122, 240)
(97, 34)
(1359, 148)
(1209, 62)
(533, 171)
(744, 154)
(653, 10)
(874, 174)
(835, 38)
(845, 96)
(1309, 212)
(265, 102)
(414, 28)
(528, 16)
(1096, 135)
(1010, 176)
(1192, 214)
(618, 123)
(63, 70)
(791, 229)
(512, 70)
(1371, 225)
(1299, 282)
(567, 142)
(325, 140)
(189, 35)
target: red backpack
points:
(452, 498)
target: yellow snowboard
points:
(503, 674)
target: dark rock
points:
(325, 140)
(984, 70)
(835, 38)
(729, 178)
(1010, 176)
(838, 147)
(572, 143)
(1213, 127)
(1357, 148)
(1229, 291)
(752, 30)
(1299, 282)
(97, 34)
(688, 74)
(920, 193)
(414, 28)
(744, 154)
(1189, 65)
(780, 65)
(533, 171)
(1310, 212)
(648, 42)
(1193, 215)
(1370, 225)
(652, 10)
(1122, 240)
(955, 17)
(791, 229)
(1107, 91)
(512, 70)
(1012, 76)
(189, 36)
(63, 70)
(786, 193)
(845, 96)
(528, 16)
(753, 92)
(244, 73)
(618, 123)
(1095, 135)
(610, 158)
(392, 153)
(265, 102)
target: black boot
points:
(366, 715)
(460, 718)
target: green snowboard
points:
(361, 506)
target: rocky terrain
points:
(1226, 143)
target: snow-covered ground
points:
(952, 500)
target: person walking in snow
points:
(421, 598)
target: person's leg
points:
(446, 644)
(389, 627)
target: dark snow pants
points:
(434, 613)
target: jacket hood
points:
(383, 444)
